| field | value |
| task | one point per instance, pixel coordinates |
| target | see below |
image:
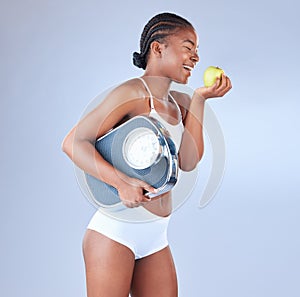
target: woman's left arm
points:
(192, 146)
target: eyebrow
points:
(191, 42)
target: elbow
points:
(188, 168)
(189, 163)
(64, 146)
(67, 145)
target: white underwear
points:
(143, 238)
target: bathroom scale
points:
(141, 148)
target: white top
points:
(174, 130)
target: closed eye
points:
(188, 48)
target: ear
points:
(156, 48)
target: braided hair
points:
(157, 29)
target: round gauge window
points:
(141, 148)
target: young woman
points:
(123, 258)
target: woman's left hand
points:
(219, 89)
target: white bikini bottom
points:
(142, 238)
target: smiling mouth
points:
(189, 68)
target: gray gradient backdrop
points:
(57, 55)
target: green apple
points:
(210, 75)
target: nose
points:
(195, 58)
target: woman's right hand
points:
(219, 89)
(132, 192)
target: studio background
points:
(56, 56)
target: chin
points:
(183, 80)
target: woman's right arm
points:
(79, 144)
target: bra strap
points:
(175, 103)
(151, 97)
(148, 90)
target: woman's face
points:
(180, 55)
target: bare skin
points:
(111, 270)
(110, 266)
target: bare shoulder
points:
(123, 98)
(183, 100)
(120, 103)
(128, 90)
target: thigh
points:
(155, 275)
(109, 266)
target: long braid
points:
(157, 29)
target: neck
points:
(159, 86)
